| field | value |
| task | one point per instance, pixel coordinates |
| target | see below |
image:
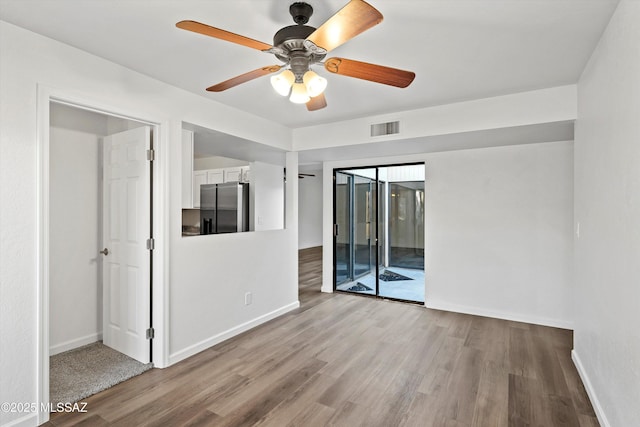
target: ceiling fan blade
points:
(354, 18)
(243, 78)
(372, 72)
(317, 102)
(207, 30)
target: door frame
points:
(160, 208)
(344, 169)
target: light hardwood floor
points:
(349, 360)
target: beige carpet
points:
(83, 371)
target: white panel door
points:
(126, 227)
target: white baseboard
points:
(597, 407)
(29, 420)
(74, 343)
(477, 311)
(216, 339)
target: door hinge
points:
(151, 155)
(151, 243)
(335, 229)
(150, 333)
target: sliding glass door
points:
(379, 231)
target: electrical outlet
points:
(247, 298)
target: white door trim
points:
(161, 210)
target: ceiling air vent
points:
(389, 128)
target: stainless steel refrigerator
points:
(224, 208)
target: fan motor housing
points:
(292, 32)
(291, 41)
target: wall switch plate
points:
(247, 298)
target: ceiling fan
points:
(300, 46)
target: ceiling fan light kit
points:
(283, 81)
(299, 94)
(300, 46)
(314, 83)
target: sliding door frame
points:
(376, 185)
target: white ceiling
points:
(459, 49)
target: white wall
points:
(75, 307)
(310, 211)
(215, 162)
(207, 276)
(607, 211)
(267, 196)
(405, 173)
(515, 110)
(499, 232)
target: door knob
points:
(105, 251)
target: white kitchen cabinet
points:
(232, 174)
(215, 176)
(187, 169)
(246, 174)
(206, 176)
(199, 178)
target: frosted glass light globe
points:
(314, 83)
(282, 82)
(299, 94)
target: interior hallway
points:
(347, 360)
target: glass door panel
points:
(403, 277)
(406, 225)
(343, 226)
(355, 231)
(362, 213)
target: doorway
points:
(100, 220)
(379, 231)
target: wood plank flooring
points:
(345, 360)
